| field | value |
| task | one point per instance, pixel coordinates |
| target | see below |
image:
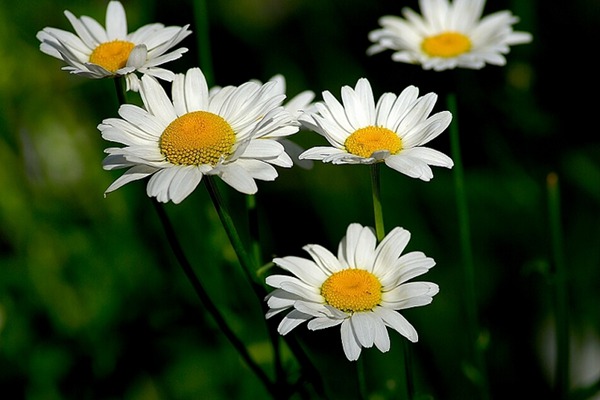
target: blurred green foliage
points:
(94, 306)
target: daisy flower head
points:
(361, 289)
(94, 51)
(232, 133)
(448, 35)
(392, 131)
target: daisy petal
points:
(397, 322)
(292, 320)
(350, 343)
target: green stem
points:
(560, 289)
(380, 232)
(255, 250)
(248, 265)
(362, 381)
(473, 329)
(377, 208)
(202, 36)
(121, 90)
(249, 268)
(206, 300)
(410, 385)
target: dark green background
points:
(94, 306)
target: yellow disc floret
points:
(446, 45)
(365, 141)
(195, 138)
(112, 56)
(352, 290)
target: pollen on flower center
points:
(195, 138)
(365, 141)
(447, 44)
(112, 56)
(352, 290)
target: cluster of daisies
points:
(242, 133)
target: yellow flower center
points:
(365, 141)
(447, 44)
(352, 290)
(195, 138)
(112, 56)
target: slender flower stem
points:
(246, 261)
(250, 269)
(205, 297)
(362, 381)
(202, 36)
(120, 89)
(473, 329)
(377, 208)
(255, 248)
(560, 282)
(410, 383)
(256, 254)
(380, 232)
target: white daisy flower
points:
(448, 35)
(96, 52)
(392, 131)
(232, 134)
(361, 289)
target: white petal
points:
(389, 250)
(137, 57)
(413, 167)
(277, 280)
(348, 245)
(362, 325)
(196, 90)
(184, 183)
(317, 310)
(337, 112)
(156, 100)
(382, 339)
(132, 174)
(308, 271)
(397, 322)
(349, 341)
(429, 156)
(359, 104)
(263, 149)
(303, 290)
(364, 252)
(325, 259)
(320, 152)
(236, 177)
(90, 30)
(292, 320)
(142, 119)
(411, 294)
(159, 73)
(158, 184)
(323, 323)
(427, 130)
(280, 299)
(413, 264)
(258, 169)
(116, 21)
